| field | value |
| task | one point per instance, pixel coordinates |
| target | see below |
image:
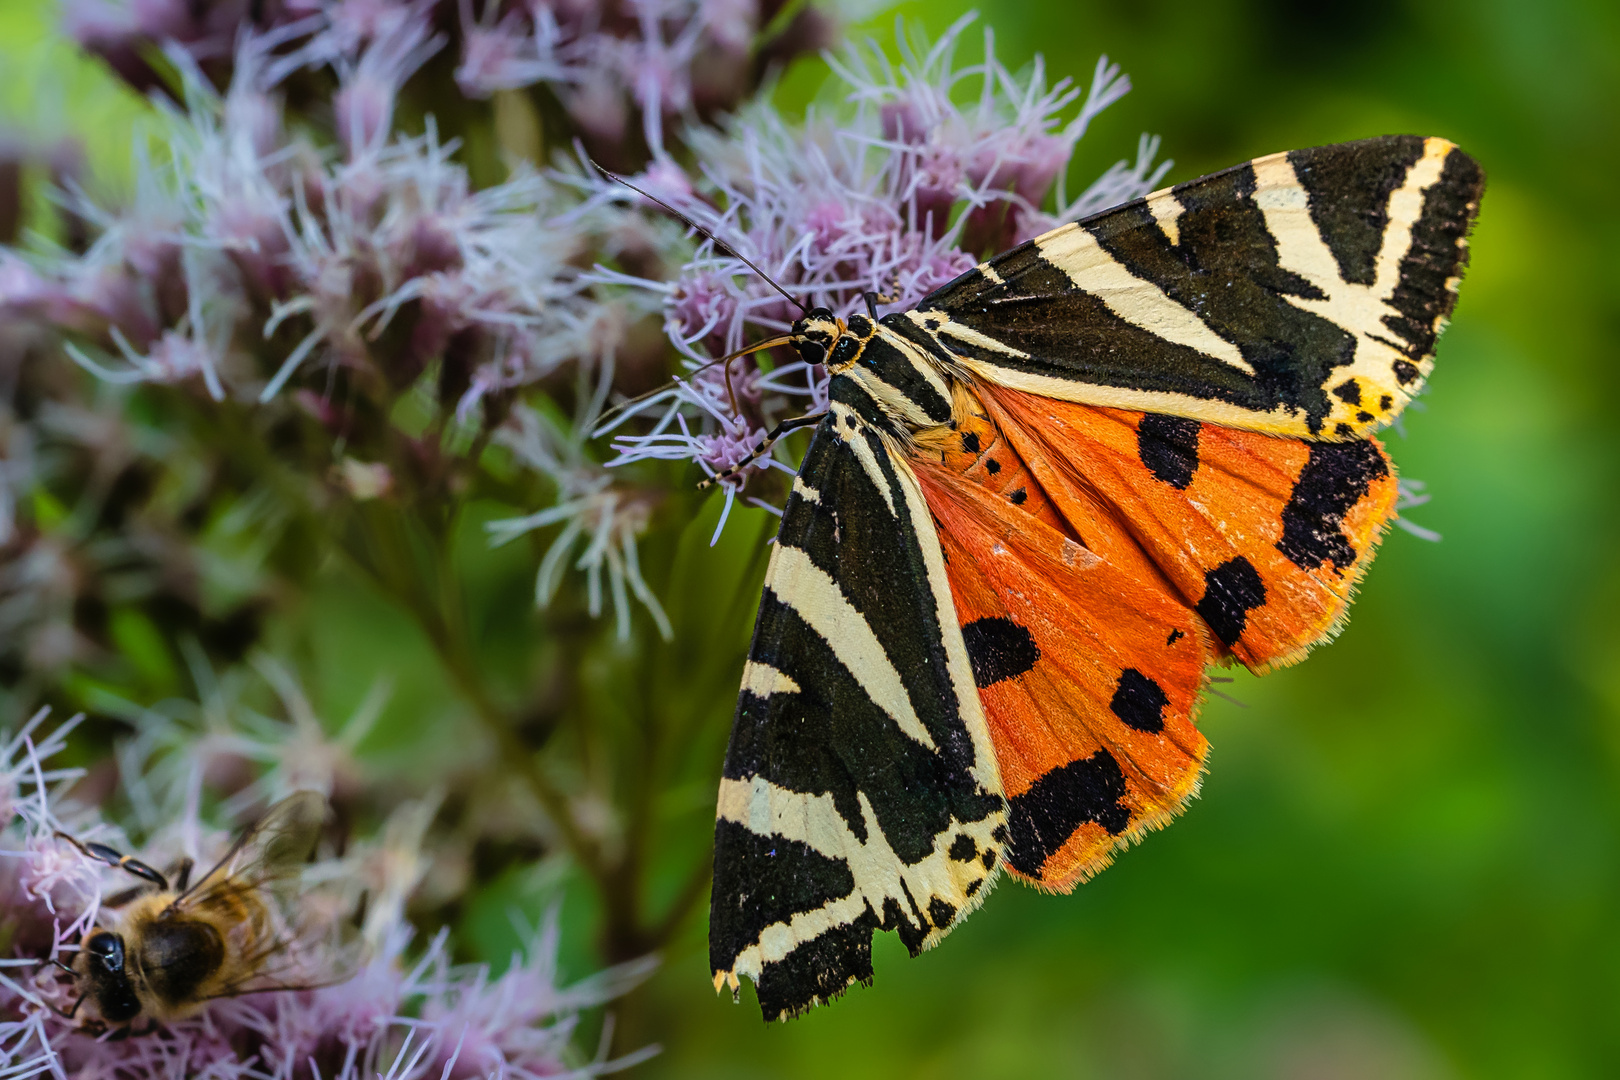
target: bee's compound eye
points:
(107, 947)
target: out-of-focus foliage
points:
(1406, 859)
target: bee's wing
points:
(272, 969)
(265, 855)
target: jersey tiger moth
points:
(1038, 507)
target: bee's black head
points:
(107, 978)
(814, 335)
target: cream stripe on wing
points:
(805, 491)
(816, 598)
(851, 436)
(962, 333)
(925, 366)
(1141, 303)
(762, 680)
(765, 809)
(985, 768)
(1301, 249)
(1359, 309)
(1167, 210)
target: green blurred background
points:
(1406, 859)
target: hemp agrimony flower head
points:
(392, 1011)
(925, 167)
(270, 257)
(620, 69)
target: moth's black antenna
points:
(721, 245)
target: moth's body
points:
(1040, 505)
(162, 963)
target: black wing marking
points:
(1298, 294)
(860, 768)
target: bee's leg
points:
(71, 1011)
(764, 448)
(119, 899)
(120, 1034)
(114, 857)
(182, 874)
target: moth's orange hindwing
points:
(1264, 537)
(1089, 674)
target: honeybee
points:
(183, 943)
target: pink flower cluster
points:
(612, 63)
(607, 61)
(397, 1013)
(252, 256)
(923, 168)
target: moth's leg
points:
(113, 857)
(764, 448)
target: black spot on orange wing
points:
(970, 442)
(1337, 476)
(1168, 447)
(1139, 702)
(1231, 591)
(1043, 818)
(1017, 497)
(992, 466)
(998, 649)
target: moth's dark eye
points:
(812, 351)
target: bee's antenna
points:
(721, 245)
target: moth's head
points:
(815, 334)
